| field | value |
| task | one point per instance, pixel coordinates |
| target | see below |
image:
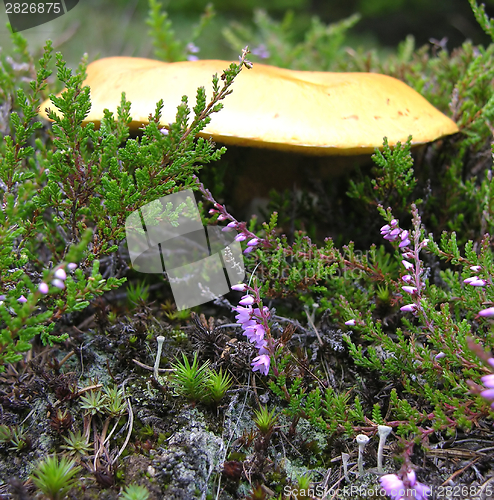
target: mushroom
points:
(362, 440)
(309, 112)
(344, 458)
(383, 431)
(160, 340)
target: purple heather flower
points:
(491, 361)
(350, 322)
(408, 308)
(409, 289)
(487, 313)
(393, 486)
(244, 313)
(247, 300)
(399, 489)
(253, 242)
(477, 282)
(261, 363)
(265, 309)
(192, 58)
(488, 394)
(164, 131)
(240, 287)
(22, 299)
(439, 356)
(255, 334)
(240, 237)
(261, 51)
(488, 380)
(193, 49)
(404, 239)
(475, 269)
(43, 288)
(407, 278)
(60, 274)
(249, 249)
(71, 266)
(222, 217)
(392, 235)
(253, 322)
(58, 283)
(407, 265)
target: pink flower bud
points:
(408, 308)
(488, 394)
(71, 266)
(407, 265)
(241, 287)
(247, 300)
(43, 288)
(488, 380)
(58, 283)
(240, 237)
(477, 282)
(22, 299)
(487, 313)
(350, 322)
(60, 274)
(409, 289)
(475, 269)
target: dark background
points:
(118, 27)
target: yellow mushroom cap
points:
(304, 111)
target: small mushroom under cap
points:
(304, 111)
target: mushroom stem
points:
(362, 440)
(344, 458)
(383, 431)
(160, 340)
